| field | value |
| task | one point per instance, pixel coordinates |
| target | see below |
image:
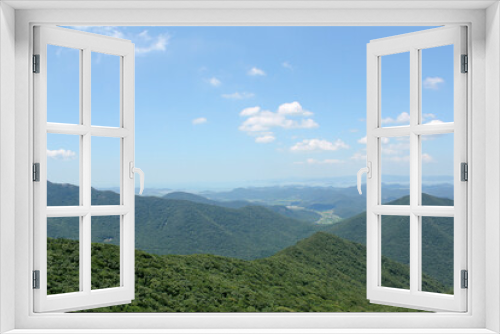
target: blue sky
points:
(235, 106)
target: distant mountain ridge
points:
(300, 214)
(346, 202)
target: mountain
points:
(322, 273)
(437, 238)
(345, 202)
(300, 214)
(165, 226)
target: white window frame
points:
(85, 43)
(484, 267)
(414, 43)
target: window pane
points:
(63, 255)
(63, 85)
(396, 251)
(437, 85)
(105, 252)
(105, 90)
(63, 170)
(395, 89)
(395, 170)
(106, 155)
(437, 254)
(437, 169)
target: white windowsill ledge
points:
(251, 331)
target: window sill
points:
(251, 331)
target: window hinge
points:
(464, 171)
(36, 63)
(465, 279)
(36, 279)
(465, 64)
(36, 172)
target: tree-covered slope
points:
(322, 273)
(165, 226)
(437, 238)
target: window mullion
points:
(414, 171)
(85, 167)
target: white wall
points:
(7, 160)
(492, 165)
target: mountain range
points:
(196, 225)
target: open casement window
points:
(72, 127)
(420, 219)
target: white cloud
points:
(199, 120)
(403, 118)
(61, 154)
(318, 145)
(287, 65)
(426, 158)
(293, 109)
(384, 140)
(214, 82)
(250, 111)
(265, 139)
(144, 42)
(427, 116)
(434, 121)
(359, 156)
(254, 71)
(159, 43)
(238, 96)
(433, 83)
(264, 120)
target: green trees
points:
(322, 273)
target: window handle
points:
(134, 170)
(368, 171)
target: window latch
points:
(368, 171)
(132, 171)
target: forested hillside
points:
(322, 273)
(437, 238)
(165, 226)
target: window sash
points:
(85, 298)
(414, 298)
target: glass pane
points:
(105, 252)
(63, 170)
(395, 170)
(63, 255)
(105, 90)
(396, 251)
(437, 85)
(437, 169)
(395, 89)
(437, 254)
(63, 85)
(106, 169)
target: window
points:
(475, 319)
(416, 214)
(71, 119)
(268, 226)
